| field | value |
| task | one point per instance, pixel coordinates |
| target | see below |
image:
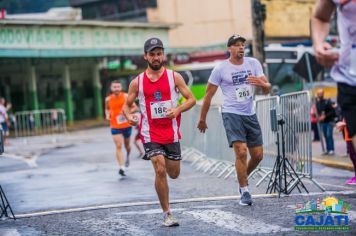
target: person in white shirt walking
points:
(238, 77)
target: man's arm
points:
(107, 109)
(134, 107)
(210, 92)
(130, 100)
(186, 93)
(320, 28)
(261, 82)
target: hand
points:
(172, 113)
(325, 56)
(253, 80)
(340, 125)
(133, 119)
(202, 126)
(321, 118)
(107, 117)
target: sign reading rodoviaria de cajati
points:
(55, 37)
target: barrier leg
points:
(224, 170)
(263, 178)
(229, 173)
(317, 184)
(213, 163)
(216, 167)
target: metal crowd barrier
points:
(39, 122)
(294, 109)
(210, 153)
(269, 138)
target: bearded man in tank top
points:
(157, 89)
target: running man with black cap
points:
(157, 89)
(238, 77)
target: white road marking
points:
(352, 216)
(113, 226)
(209, 206)
(159, 211)
(233, 222)
(31, 161)
(9, 232)
(322, 193)
(337, 186)
(202, 199)
(148, 212)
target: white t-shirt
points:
(237, 92)
(345, 69)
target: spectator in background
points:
(341, 126)
(314, 123)
(327, 115)
(275, 91)
(4, 119)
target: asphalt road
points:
(78, 174)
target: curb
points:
(334, 164)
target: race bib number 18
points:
(159, 109)
(243, 93)
(353, 60)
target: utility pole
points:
(258, 33)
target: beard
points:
(155, 67)
(239, 56)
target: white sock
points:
(122, 168)
(244, 189)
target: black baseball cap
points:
(233, 39)
(153, 43)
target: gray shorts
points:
(241, 128)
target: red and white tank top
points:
(155, 98)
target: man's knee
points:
(174, 174)
(118, 147)
(258, 157)
(160, 169)
(241, 151)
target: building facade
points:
(199, 23)
(59, 64)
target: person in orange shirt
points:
(120, 127)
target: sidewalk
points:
(87, 124)
(340, 160)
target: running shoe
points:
(169, 220)
(351, 181)
(122, 172)
(246, 199)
